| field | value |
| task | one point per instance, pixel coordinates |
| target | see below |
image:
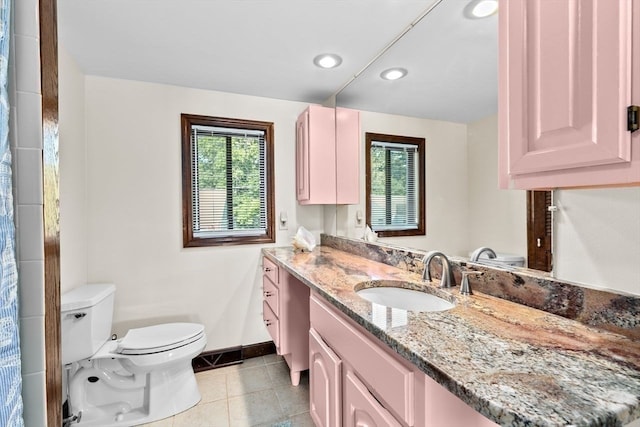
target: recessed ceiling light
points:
(393, 73)
(484, 8)
(327, 60)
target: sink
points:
(402, 298)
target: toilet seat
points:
(159, 338)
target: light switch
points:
(359, 219)
(283, 221)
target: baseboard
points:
(257, 350)
(230, 356)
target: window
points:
(395, 184)
(227, 181)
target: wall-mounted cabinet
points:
(327, 156)
(568, 72)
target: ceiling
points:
(266, 48)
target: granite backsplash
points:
(598, 308)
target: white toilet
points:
(143, 377)
(503, 259)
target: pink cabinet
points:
(327, 156)
(285, 311)
(389, 377)
(325, 383)
(361, 408)
(379, 388)
(568, 72)
(347, 156)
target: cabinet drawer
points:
(272, 323)
(270, 294)
(270, 270)
(389, 379)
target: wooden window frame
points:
(420, 143)
(188, 238)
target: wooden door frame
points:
(49, 87)
(539, 225)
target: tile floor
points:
(257, 392)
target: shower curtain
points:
(10, 376)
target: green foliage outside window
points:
(398, 176)
(244, 165)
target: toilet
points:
(502, 260)
(143, 377)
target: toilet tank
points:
(87, 312)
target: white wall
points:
(597, 238)
(135, 211)
(73, 175)
(25, 135)
(446, 181)
(497, 218)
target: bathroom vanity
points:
(285, 311)
(485, 362)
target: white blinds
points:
(228, 191)
(394, 186)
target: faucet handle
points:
(465, 287)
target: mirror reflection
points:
(449, 97)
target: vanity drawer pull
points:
(268, 294)
(270, 270)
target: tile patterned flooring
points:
(256, 393)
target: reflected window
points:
(395, 184)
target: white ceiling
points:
(266, 47)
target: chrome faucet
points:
(475, 256)
(447, 274)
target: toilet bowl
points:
(143, 377)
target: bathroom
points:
(120, 205)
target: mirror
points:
(449, 97)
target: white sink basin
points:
(405, 299)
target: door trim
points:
(49, 88)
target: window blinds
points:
(394, 186)
(228, 191)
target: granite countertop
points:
(516, 365)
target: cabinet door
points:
(565, 83)
(347, 156)
(324, 383)
(316, 156)
(361, 409)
